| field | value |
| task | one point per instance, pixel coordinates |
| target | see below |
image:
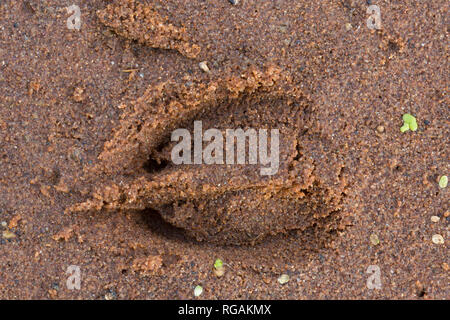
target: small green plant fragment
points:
(409, 123)
(219, 269)
(413, 126)
(407, 118)
(198, 291)
(404, 128)
(218, 264)
(443, 182)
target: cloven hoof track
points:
(223, 204)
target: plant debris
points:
(409, 123)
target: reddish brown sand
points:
(85, 118)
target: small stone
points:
(435, 219)
(14, 221)
(284, 278)
(380, 129)
(443, 182)
(53, 293)
(204, 66)
(4, 224)
(374, 239)
(348, 26)
(233, 2)
(198, 291)
(8, 235)
(219, 272)
(437, 239)
(110, 295)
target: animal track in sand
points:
(225, 204)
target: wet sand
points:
(71, 103)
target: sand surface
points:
(86, 178)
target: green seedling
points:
(198, 291)
(409, 123)
(443, 182)
(219, 269)
(218, 264)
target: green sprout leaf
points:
(218, 264)
(404, 128)
(443, 181)
(409, 123)
(198, 291)
(408, 118)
